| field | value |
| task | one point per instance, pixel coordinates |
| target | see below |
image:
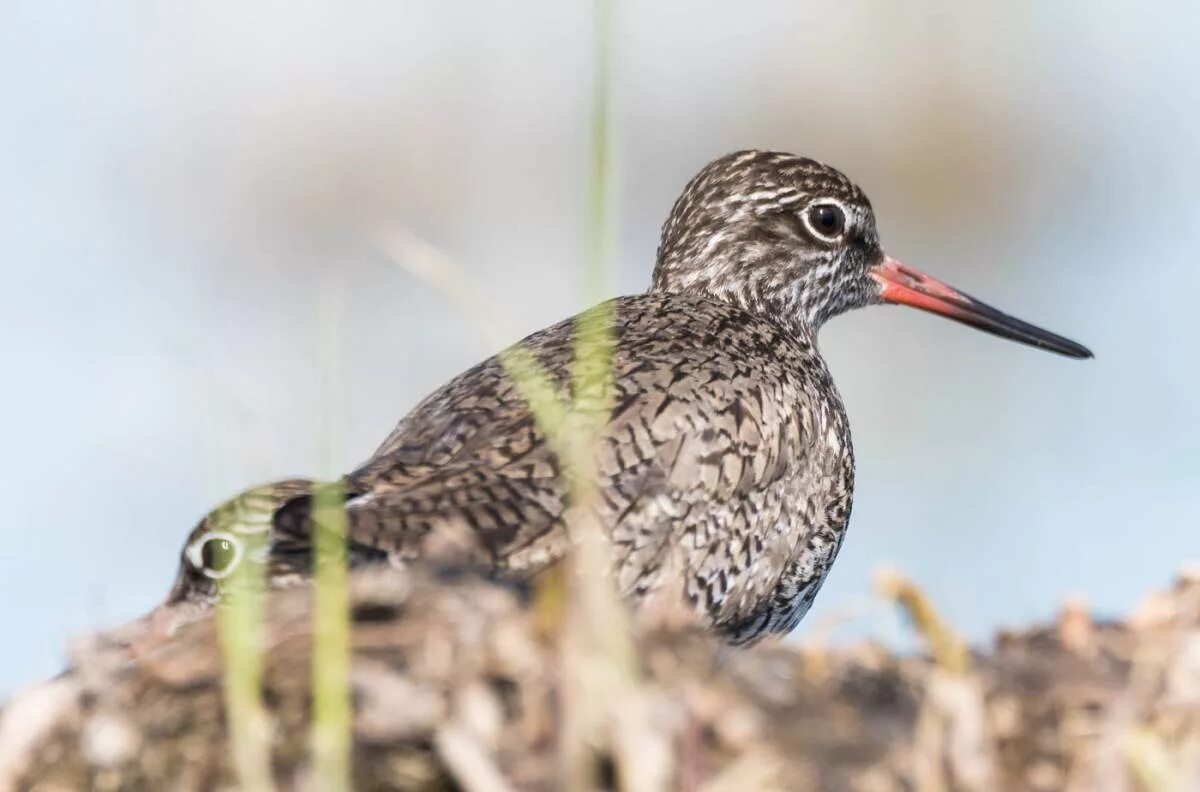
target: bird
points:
(724, 463)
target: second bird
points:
(725, 465)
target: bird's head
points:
(795, 240)
(263, 530)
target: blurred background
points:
(192, 302)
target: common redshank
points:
(726, 469)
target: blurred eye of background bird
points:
(827, 220)
(218, 555)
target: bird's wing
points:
(696, 431)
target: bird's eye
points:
(827, 220)
(219, 554)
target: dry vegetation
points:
(458, 682)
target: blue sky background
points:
(184, 188)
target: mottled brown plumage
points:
(725, 464)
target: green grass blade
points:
(332, 721)
(240, 630)
(332, 715)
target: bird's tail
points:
(292, 526)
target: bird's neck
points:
(782, 299)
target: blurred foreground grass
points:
(595, 630)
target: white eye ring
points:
(846, 219)
(195, 554)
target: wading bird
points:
(724, 465)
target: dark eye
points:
(218, 555)
(827, 220)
